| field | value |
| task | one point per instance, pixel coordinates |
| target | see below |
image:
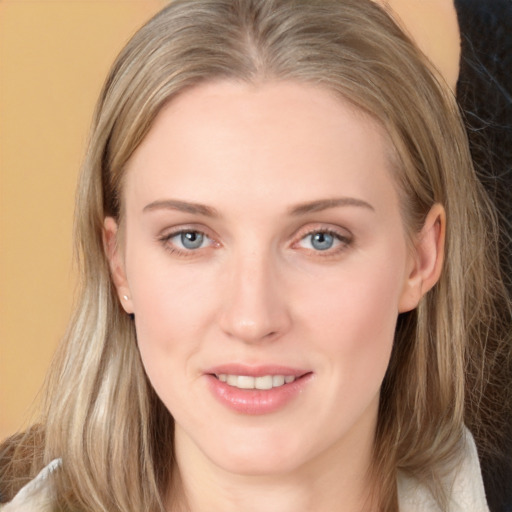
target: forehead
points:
(256, 141)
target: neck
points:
(336, 480)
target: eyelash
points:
(343, 240)
(165, 239)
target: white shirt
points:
(464, 486)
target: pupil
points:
(191, 239)
(322, 241)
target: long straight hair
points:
(450, 355)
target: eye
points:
(186, 241)
(189, 239)
(324, 241)
(321, 241)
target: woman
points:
(291, 297)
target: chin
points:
(260, 464)
(259, 455)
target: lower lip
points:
(257, 401)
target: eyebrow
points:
(300, 209)
(182, 206)
(325, 204)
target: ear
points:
(116, 263)
(426, 259)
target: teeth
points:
(232, 380)
(244, 382)
(266, 382)
(248, 382)
(279, 380)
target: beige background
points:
(54, 55)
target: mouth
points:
(257, 390)
(263, 382)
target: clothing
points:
(464, 485)
(467, 490)
(37, 495)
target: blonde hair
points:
(103, 417)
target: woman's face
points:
(265, 260)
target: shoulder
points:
(464, 486)
(37, 495)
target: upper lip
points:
(255, 370)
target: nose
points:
(255, 307)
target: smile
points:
(269, 389)
(250, 382)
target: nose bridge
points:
(255, 308)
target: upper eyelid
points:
(343, 240)
(339, 231)
(176, 230)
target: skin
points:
(258, 292)
(433, 25)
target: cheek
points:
(172, 308)
(353, 315)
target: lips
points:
(256, 390)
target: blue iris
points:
(191, 239)
(322, 241)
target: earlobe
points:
(116, 263)
(427, 259)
